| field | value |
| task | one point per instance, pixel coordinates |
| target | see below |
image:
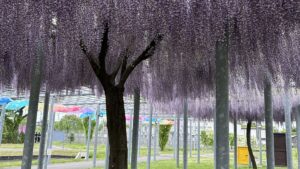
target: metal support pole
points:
(288, 127)
(149, 138)
(185, 133)
(260, 145)
(235, 142)
(298, 133)
(88, 139)
(130, 138)
(191, 139)
(135, 130)
(178, 141)
(2, 121)
(269, 123)
(50, 133)
(107, 153)
(174, 138)
(198, 141)
(44, 130)
(155, 138)
(96, 136)
(221, 115)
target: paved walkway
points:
(89, 164)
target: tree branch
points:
(104, 47)
(89, 56)
(97, 69)
(148, 52)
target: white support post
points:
(96, 136)
(2, 121)
(149, 138)
(88, 139)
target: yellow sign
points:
(243, 155)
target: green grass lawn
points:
(73, 149)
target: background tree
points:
(69, 124)
(164, 131)
(85, 125)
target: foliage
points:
(231, 139)
(70, 123)
(207, 139)
(164, 131)
(21, 137)
(13, 119)
(85, 124)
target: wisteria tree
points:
(114, 92)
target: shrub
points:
(207, 139)
(164, 131)
(21, 137)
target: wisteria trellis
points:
(263, 37)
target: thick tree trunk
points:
(249, 144)
(135, 130)
(36, 79)
(116, 126)
(44, 130)
(269, 124)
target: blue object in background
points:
(154, 120)
(17, 105)
(5, 100)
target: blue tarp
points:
(5, 100)
(17, 105)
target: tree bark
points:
(116, 126)
(44, 130)
(249, 144)
(36, 79)
(135, 130)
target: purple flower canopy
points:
(264, 38)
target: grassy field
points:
(73, 149)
